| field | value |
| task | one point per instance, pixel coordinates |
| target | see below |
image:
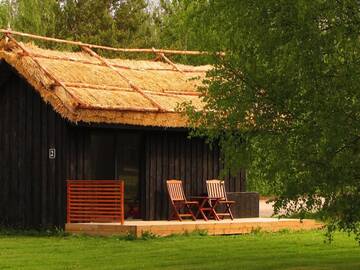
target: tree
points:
(285, 101)
(33, 16)
(184, 25)
(122, 23)
(133, 23)
(88, 21)
(5, 12)
(36, 16)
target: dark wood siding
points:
(171, 155)
(33, 187)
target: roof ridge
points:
(93, 46)
(195, 69)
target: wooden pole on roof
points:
(93, 46)
(47, 73)
(167, 60)
(116, 88)
(72, 59)
(117, 108)
(132, 85)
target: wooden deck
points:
(163, 228)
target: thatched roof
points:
(86, 87)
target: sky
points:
(153, 3)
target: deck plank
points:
(164, 228)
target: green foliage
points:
(118, 23)
(148, 236)
(36, 16)
(182, 24)
(285, 101)
(256, 230)
(133, 23)
(185, 24)
(87, 20)
(33, 16)
(4, 14)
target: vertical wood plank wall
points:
(171, 155)
(33, 187)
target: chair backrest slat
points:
(216, 189)
(175, 190)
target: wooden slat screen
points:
(95, 201)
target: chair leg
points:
(229, 211)
(175, 213)
(213, 211)
(220, 215)
(190, 212)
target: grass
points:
(283, 250)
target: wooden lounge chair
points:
(179, 201)
(217, 196)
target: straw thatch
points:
(86, 87)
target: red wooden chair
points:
(217, 196)
(179, 201)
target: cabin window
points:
(102, 165)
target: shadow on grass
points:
(10, 231)
(58, 232)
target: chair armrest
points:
(224, 201)
(192, 202)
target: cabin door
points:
(127, 168)
(116, 155)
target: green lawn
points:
(301, 250)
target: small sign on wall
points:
(52, 153)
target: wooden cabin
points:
(77, 115)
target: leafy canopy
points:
(119, 23)
(285, 101)
(34, 16)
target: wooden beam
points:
(185, 93)
(97, 86)
(28, 53)
(167, 60)
(124, 89)
(132, 85)
(125, 50)
(48, 74)
(115, 108)
(71, 59)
